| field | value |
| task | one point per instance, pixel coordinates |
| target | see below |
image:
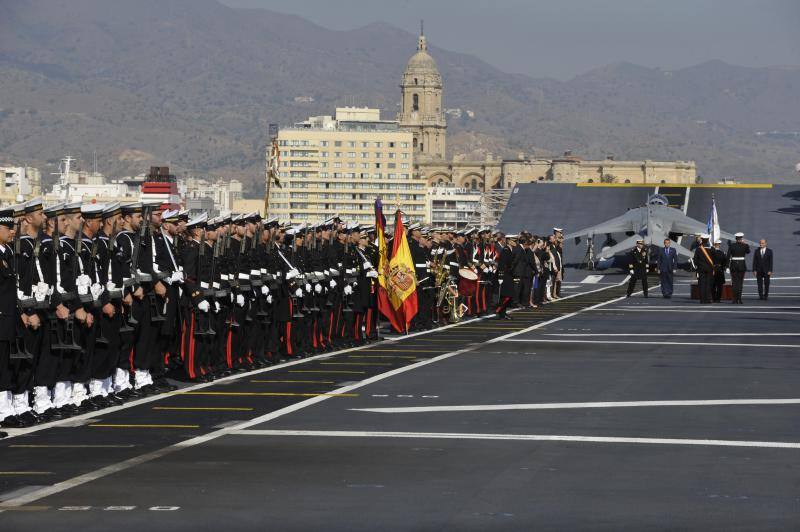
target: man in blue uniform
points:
(667, 264)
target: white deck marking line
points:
(660, 335)
(573, 406)
(592, 279)
(198, 440)
(744, 309)
(643, 342)
(518, 437)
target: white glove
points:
(216, 307)
(299, 292)
(203, 306)
(177, 277)
(83, 280)
(40, 291)
(240, 300)
(318, 288)
(264, 290)
(83, 290)
(727, 270)
(97, 290)
(367, 265)
(20, 295)
(348, 290)
(269, 299)
(308, 288)
(373, 274)
(333, 283)
(291, 274)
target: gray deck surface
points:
(341, 468)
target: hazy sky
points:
(563, 38)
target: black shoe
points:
(54, 414)
(11, 422)
(114, 400)
(3, 435)
(30, 418)
(165, 386)
(69, 410)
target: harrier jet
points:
(654, 222)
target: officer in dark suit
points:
(638, 267)
(737, 264)
(667, 264)
(505, 270)
(762, 268)
(704, 265)
(8, 319)
(720, 265)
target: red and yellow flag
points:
(397, 291)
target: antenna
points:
(422, 26)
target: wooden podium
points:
(727, 292)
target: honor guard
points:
(737, 263)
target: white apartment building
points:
(340, 165)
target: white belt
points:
(737, 258)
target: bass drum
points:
(467, 282)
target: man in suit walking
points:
(667, 264)
(762, 268)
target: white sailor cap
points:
(705, 236)
(92, 210)
(640, 240)
(718, 241)
(739, 235)
(558, 230)
(198, 221)
(512, 237)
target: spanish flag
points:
(397, 293)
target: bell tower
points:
(421, 110)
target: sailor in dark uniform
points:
(506, 267)
(720, 265)
(704, 265)
(8, 320)
(638, 267)
(737, 262)
(109, 318)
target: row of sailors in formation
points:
(99, 303)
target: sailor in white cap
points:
(737, 263)
(638, 267)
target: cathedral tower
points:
(421, 109)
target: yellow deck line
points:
(68, 446)
(675, 185)
(401, 351)
(272, 394)
(353, 364)
(9, 473)
(298, 382)
(150, 426)
(205, 408)
(387, 356)
(327, 371)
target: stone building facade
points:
(421, 113)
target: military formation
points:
(101, 303)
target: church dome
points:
(422, 67)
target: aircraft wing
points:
(625, 245)
(630, 221)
